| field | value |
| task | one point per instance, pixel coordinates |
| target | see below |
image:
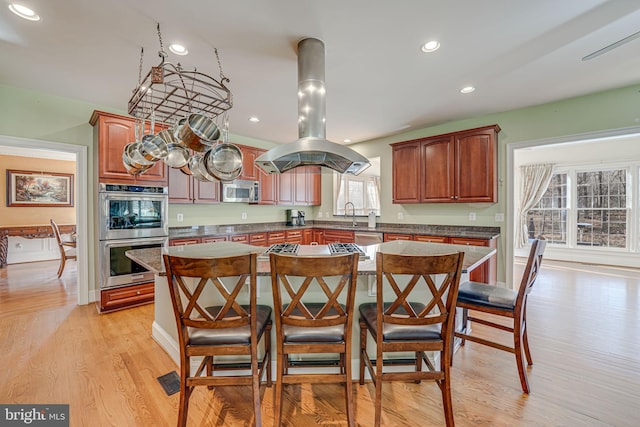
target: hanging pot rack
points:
(170, 92)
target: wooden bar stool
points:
(227, 329)
(313, 300)
(407, 322)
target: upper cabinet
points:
(113, 132)
(185, 188)
(459, 167)
(298, 187)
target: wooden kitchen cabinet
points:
(430, 239)
(213, 239)
(388, 237)
(301, 186)
(185, 241)
(406, 172)
(185, 188)
(318, 236)
(126, 297)
(268, 182)
(459, 167)
(239, 238)
(338, 236)
(113, 132)
(258, 239)
(294, 236)
(276, 237)
(307, 236)
(487, 272)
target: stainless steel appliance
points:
(133, 211)
(242, 191)
(301, 215)
(118, 270)
(130, 217)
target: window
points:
(549, 216)
(602, 208)
(584, 207)
(362, 191)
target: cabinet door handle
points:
(138, 293)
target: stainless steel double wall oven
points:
(130, 217)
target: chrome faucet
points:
(353, 213)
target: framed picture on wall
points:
(32, 189)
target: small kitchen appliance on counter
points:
(301, 215)
(292, 217)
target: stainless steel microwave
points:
(241, 191)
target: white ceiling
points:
(517, 54)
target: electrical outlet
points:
(499, 217)
(400, 216)
(326, 215)
(180, 217)
(319, 214)
(243, 215)
(472, 216)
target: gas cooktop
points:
(283, 248)
(345, 248)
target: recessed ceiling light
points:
(430, 46)
(254, 119)
(347, 141)
(178, 49)
(467, 89)
(24, 12)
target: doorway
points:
(82, 197)
(566, 149)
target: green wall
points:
(39, 116)
(614, 109)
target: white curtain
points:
(534, 181)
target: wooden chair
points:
(417, 318)
(313, 299)
(224, 329)
(503, 302)
(65, 254)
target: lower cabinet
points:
(396, 236)
(430, 239)
(258, 239)
(239, 238)
(317, 236)
(487, 272)
(276, 237)
(212, 239)
(294, 236)
(339, 236)
(125, 297)
(187, 241)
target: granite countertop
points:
(152, 258)
(475, 232)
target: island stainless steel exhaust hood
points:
(312, 147)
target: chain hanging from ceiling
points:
(188, 102)
(169, 91)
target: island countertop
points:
(152, 258)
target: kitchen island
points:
(164, 329)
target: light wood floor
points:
(584, 332)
